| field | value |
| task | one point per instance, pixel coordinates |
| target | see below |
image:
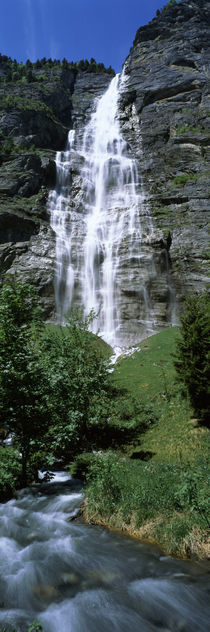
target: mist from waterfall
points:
(98, 249)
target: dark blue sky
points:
(75, 29)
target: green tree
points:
(54, 384)
(192, 358)
(80, 385)
(24, 388)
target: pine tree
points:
(192, 359)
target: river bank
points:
(195, 546)
(165, 503)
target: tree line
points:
(29, 72)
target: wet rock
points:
(164, 118)
(46, 592)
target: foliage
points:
(10, 471)
(34, 627)
(81, 464)
(27, 73)
(192, 353)
(184, 129)
(26, 103)
(170, 3)
(185, 177)
(54, 383)
(24, 407)
(128, 418)
(79, 385)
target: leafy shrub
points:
(10, 470)
(81, 465)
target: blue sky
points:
(75, 29)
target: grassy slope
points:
(150, 375)
(175, 438)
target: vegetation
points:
(193, 353)
(79, 386)
(184, 129)
(170, 3)
(34, 627)
(24, 407)
(132, 494)
(54, 386)
(130, 434)
(27, 73)
(25, 103)
(10, 472)
(158, 483)
(185, 177)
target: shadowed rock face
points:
(164, 118)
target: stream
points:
(74, 577)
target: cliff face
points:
(35, 119)
(164, 117)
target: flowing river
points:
(74, 577)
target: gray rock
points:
(164, 117)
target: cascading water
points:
(73, 577)
(100, 244)
(59, 215)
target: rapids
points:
(74, 577)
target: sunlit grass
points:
(150, 375)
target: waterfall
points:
(102, 223)
(58, 203)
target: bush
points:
(81, 465)
(10, 471)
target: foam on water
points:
(74, 577)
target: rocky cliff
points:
(164, 117)
(35, 118)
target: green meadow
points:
(154, 483)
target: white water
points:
(58, 202)
(80, 578)
(90, 250)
